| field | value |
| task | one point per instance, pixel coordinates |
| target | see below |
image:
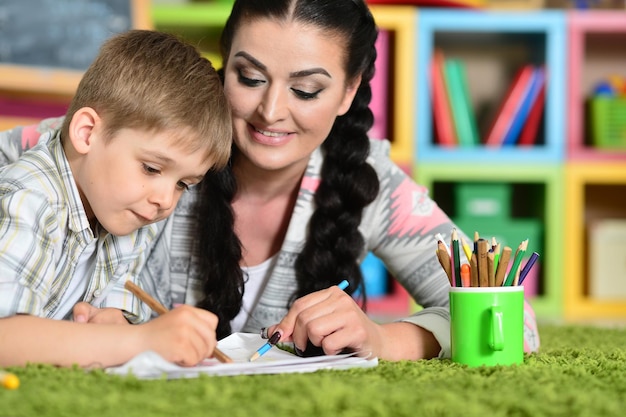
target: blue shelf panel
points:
(549, 24)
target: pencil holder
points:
(487, 325)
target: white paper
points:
(239, 347)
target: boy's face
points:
(135, 178)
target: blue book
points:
(536, 82)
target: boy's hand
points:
(86, 313)
(184, 335)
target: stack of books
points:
(516, 122)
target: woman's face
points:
(286, 85)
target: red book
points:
(528, 136)
(442, 112)
(509, 106)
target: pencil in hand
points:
(160, 309)
(267, 346)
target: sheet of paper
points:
(239, 346)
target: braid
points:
(348, 184)
(219, 249)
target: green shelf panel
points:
(191, 14)
(549, 304)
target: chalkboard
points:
(45, 41)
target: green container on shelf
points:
(483, 200)
(608, 122)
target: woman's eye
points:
(150, 170)
(306, 95)
(250, 82)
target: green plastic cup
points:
(487, 325)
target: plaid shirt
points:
(43, 232)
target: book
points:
(462, 110)
(239, 347)
(380, 88)
(521, 115)
(442, 113)
(509, 106)
(528, 135)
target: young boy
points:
(77, 211)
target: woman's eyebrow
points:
(296, 74)
(307, 72)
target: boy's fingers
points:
(81, 312)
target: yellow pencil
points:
(9, 380)
(466, 248)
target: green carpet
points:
(580, 371)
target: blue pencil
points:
(527, 267)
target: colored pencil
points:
(527, 267)
(517, 259)
(456, 258)
(503, 263)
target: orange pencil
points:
(465, 275)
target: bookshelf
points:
(595, 191)
(595, 178)
(596, 49)
(493, 45)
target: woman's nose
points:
(273, 107)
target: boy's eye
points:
(183, 185)
(150, 170)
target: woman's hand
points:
(332, 320)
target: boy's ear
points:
(82, 127)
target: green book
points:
(462, 111)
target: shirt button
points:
(97, 293)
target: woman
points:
(306, 195)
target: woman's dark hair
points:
(348, 182)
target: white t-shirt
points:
(255, 278)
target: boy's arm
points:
(185, 335)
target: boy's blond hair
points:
(153, 81)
